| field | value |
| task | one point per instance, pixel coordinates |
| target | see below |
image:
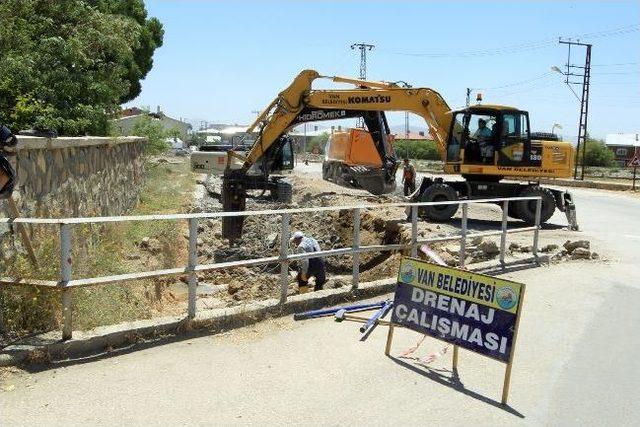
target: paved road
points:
(576, 362)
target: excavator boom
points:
(281, 114)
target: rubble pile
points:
(579, 249)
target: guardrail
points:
(67, 283)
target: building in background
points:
(303, 138)
(412, 136)
(129, 116)
(623, 146)
(221, 137)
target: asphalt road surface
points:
(576, 361)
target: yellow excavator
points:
(483, 143)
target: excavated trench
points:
(334, 230)
(261, 238)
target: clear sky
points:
(221, 60)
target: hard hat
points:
(297, 235)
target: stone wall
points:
(70, 177)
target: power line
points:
(616, 83)
(518, 83)
(520, 47)
(620, 64)
(542, 78)
(528, 89)
(615, 72)
(485, 52)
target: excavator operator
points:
(484, 136)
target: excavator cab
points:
(283, 157)
(492, 136)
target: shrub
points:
(422, 150)
(154, 132)
(597, 154)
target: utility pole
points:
(406, 124)
(363, 47)
(585, 73)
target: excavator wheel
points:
(512, 210)
(438, 193)
(526, 209)
(326, 170)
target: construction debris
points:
(571, 246)
(333, 230)
(576, 250)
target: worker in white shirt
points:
(309, 267)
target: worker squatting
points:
(447, 328)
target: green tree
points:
(68, 64)
(154, 132)
(174, 132)
(597, 154)
(319, 141)
(421, 150)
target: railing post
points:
(193, 262)
(355, 279)
(414, 231)
(463, 236)
(503, 236)
(536, 232)
(65, 278)
(284, 262)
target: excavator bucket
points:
(378, 181)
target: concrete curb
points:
(49, 346)
(588, 184)
(598, 185)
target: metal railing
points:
(67, 282)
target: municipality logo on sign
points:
(506, 298)
(407, 273)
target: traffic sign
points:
(477, 312)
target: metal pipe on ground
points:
(342, 315)
(373, 320)
(330, 311)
